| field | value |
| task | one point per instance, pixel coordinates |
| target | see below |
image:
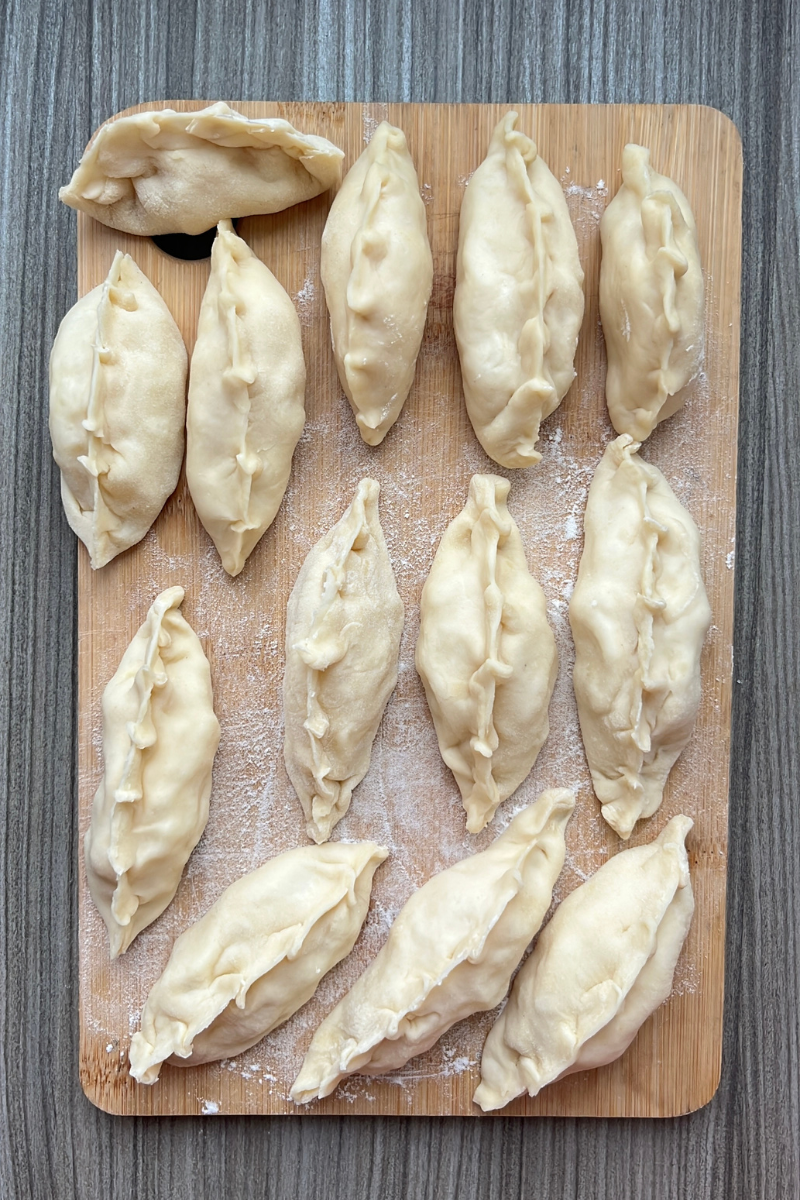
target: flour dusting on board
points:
(409, 800)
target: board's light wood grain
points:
(674, 1065)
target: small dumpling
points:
(117, 410)
(377, 271)
(518, 302)
(160, 736)
(343, 625)
(485, 653)
(639, 615)
(184, 172)
(603, 964)
(451, 952)
(651, 297)
(256, 957)
(246, 399)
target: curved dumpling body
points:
(184, 172)
(518, 302)
(160, 736)
(639, 615)
(246, 399)
(601, 966)
(377, 271)
(117, 405)
(450, 953)
(256, 956)
(486, 653)
(343, 625)
(651, 297)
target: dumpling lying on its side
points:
(256, 957)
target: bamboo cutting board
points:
(409, 800)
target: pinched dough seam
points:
(142, 735)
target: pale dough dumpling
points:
(184, 172)
(256, 957)
(602, 965)
(485, 653)
(651, 297)
(518, 302)
(160, 736)
(117, 409)
(377, 272)
(246, 399)
(343, 627)
(450, 953)
(639, 615)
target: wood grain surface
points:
(66, 67)
(409, 800)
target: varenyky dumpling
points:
(160, 736)
(246, 399)
(518, 302)
(651, 297)
(184, 172)
(117, 408)
(602, 965)
(343, 625)
(639, 615)
(485, 653)
(256, 957)
(377, 271)
(450, 953)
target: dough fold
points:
(256, 957)
(602, 965)
(343, 625)
(162, 172)
(485, 653)
(450, 953)
(518, 302)
(160, 736)
(639, 615)
(651, 297)
(377, 271)
(117, 405)
(246, 399)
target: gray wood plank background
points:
(66, 65)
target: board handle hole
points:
(188, 247)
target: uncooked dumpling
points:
(651, 297)
(160, 736)
(486, 653)
(184, 172)
(639, 615)
(246, 399)
(377, 271)
(450, 953)
(518, 302)
(343, 627)
(117, 409)
(602, 965)
(256, 956)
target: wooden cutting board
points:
(409, 800)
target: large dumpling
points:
(602, 965)
(518, 302)
(651, 297)
(246, 399)
(377, 270)
(160, 736)
(639, 615)
(450, 953)
(486, 653)
(343, 625)
(117, 409)
(257, 955)
(184, 172)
